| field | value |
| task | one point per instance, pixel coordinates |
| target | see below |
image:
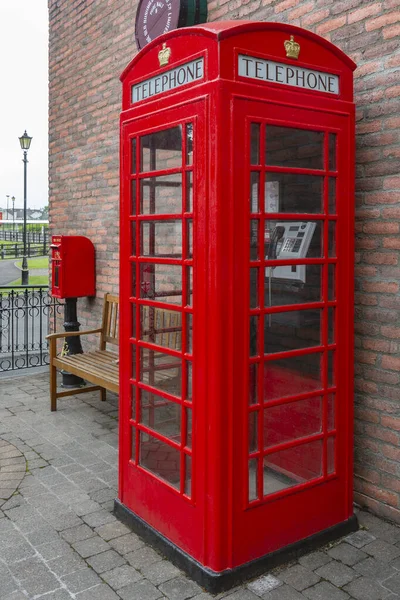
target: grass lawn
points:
(33, 280)
(41, 262)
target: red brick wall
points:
(90, 43)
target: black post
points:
(72, 344)
(25, 272)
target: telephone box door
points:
(293, 209)
(163, 186)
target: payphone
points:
(236, 278)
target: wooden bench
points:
(99, 367)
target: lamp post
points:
(13, 203)
(7, 196)
(25, 142)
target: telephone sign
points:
(237, 235)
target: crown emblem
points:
(163, 55)
(292, 48)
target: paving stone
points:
(127, 543)
(264, 584)
(122, 576)
(325, 591)
(105, 561)
(347, 554)
(143, 557)
(16, 553)
(64, 565)
(360, 538)
(60, 594)
(141, 590)
(91, 546)
(375, 569)
(160, 572)
(285, 592)
(77, 534)
(393, 583)
(112, 530)
(364, 588)
(337, 573)
(101, 517)
(99, 592)
(203, 596)
(379, 528)
(40, 584)
(299, 577)
(382, 550)
(8, 585)
(314, 560)
(81, 580)
(15, 596)
(43, 535)
(242, 595)
(53, 549)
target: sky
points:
(23, 100)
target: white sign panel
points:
(169, 80)
(268, 70)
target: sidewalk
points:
(59, 539)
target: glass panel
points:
(332, 151)
(188, 475)
(280, 291)
(161, 238)
(189, 192)
(292, 330)
(161, 415)
(292, 421)
(331, 282)
(293, 240)
(254, 191)
(331, 422)
(253, 336)
(133, 309)
(332, 195)
(133, 444)
(292, 375)
(133, 402)
(189, 286)
(133, 267)
(286, 468)
(161, 195)
(293, 193)
(255, 143)
(133, 238)
(189, 238)
(188, 412)
(332, 239)
(161, 282)
(161, 327)
(253, 371)
(161, 371)
(253, 431)
(331, 455)
(133, 156)
(133, 197)
(188, 380)
(133, 360)
(253, 479)
(189, 144)
(161, 459)
(291, 147)
(254, 288)
(331, 369)
(161, 150)
(331, 326)
(189, 333)
(254, 224)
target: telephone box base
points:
(215, 582)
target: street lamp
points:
(7, 196)
(13, 202)
(25, 142)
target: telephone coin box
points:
(72, 266)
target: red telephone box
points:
(72, 266)
(237, 150)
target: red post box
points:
(72, 266)
(237, 250)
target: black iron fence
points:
(17, 249)
(27, 315)
(35, 237)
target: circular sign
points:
(155, 17)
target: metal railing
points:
(36, 237)
(16, 250)
(27, 315)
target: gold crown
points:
(163, 55)
(292, 48)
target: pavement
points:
(8, 271)
(60, 540)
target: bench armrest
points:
(65, 334)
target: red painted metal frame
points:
(217, 525)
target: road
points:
(8, 271)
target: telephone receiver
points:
(277, 234)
